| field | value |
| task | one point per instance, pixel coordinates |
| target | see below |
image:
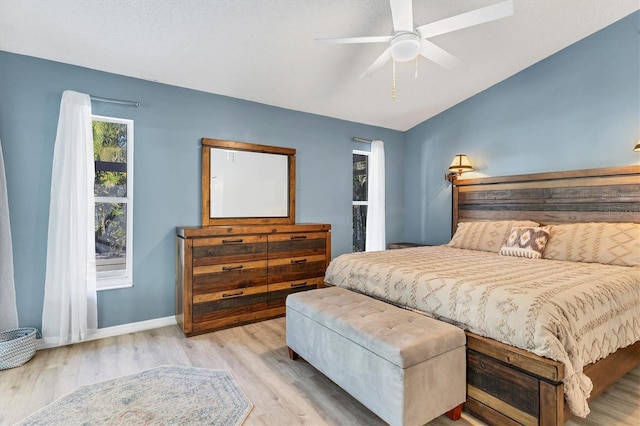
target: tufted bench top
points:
(402, 337)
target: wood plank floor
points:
(283, 392)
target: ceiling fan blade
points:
(438, 55)
(468, 19)
(402, 15)
(350, 40)
(377, 64)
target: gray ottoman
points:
(405, 367)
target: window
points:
(360, 201)
(113, 190)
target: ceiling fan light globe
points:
(405, 47)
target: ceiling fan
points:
(408, 41)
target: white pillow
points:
(608, 243)
(487, 235)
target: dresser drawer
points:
(229, 276)
(297, 244)
(242, 248)
(228, 309)
(296, 268)
(278, 292)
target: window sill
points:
(104, 284)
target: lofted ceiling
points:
(264, 50)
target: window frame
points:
(353, 202)
(111, 280)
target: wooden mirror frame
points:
(207, 220)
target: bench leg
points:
(292, 354)
(455, 413)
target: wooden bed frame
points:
(507, 385)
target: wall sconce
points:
(637, 147)
(459, 165)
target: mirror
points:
(246, 183)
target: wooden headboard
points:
(594, 195)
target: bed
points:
(544, 336)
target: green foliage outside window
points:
(110, 155)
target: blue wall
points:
(577, 109)
(168, 129)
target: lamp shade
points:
(637, 147)
(460, 164)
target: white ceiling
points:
(264, 50)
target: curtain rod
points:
(114, 101)
(359, 139)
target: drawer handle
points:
(232, 268)
(227, 295)
(239, 240)
(298, 237)
(299, 285)
(294, 261)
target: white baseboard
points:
(119, 330)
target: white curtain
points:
(375, 238)
(70, 309)
(8, 308)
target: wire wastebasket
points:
(17, 346)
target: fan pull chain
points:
(393, 80)
(416, 74)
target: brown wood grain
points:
(244, 146)
(297, 284)
(238, 292)
(455, 213)
(299, 271)
(327, 250)
(206, 311)
(551, 404)
(236, 320)
(207, 220)
(243, 248)
(180, 282)
(292, 189)
(204, 185)
(278, 298)
(296, 245)
(240, 274)
(221, 310)
(229, 267)
(600, 172)
(187, 286)
(545, 368)
(236, 230)
(204, 284)
(513, 387)
(549, 218)
(520, 417)
(488, 414)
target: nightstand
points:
(394, 246)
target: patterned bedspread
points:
(572, 312)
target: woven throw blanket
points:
(575, 313)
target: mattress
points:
(572, 312)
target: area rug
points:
(167, 395)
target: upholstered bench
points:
(405, 367)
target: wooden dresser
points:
(237, 274)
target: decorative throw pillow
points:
(608, 243)
(526, 242)
(485, 236)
